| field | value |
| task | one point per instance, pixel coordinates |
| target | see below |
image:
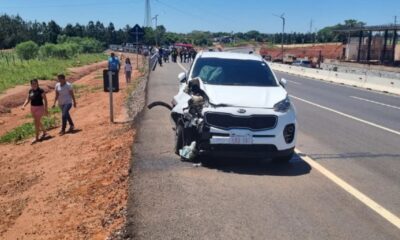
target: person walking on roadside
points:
(65, 96)
(181, 52)
(113, 63)
(166, 56)
(128, 70)
(160, 56)
(38, 100)
(187, 56)
(174, 55)
(193, 54)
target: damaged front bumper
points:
(244, 143)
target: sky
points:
(209, 15)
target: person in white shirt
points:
(65, 96)
(128, 70)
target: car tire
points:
(178, 139)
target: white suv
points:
(232, 104)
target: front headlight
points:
(282, 106)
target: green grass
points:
(27, 130)
(98, 76)
(80, 89)
(96, 89)
(14, 72)
(239, 43)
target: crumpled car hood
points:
(244, 96)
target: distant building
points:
(353, 48)
(373, 44)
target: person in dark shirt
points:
(37, 99)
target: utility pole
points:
(315, 35)
(155, 31)
(283, 30)
(147, 14)
(395, 20)
(311, 23)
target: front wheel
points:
(178, 139)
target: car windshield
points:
(220, 71)
(306, 62)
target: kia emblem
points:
(241, 110)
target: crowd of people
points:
(186, 55)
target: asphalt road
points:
(253, 199)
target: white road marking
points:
(348, 86)
(349, 116)
(393, 219)
(379, 103)
(297, 83)
(181, 66)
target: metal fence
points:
(153, 62)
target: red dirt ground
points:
(327, 51)
(72, 186)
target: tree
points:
(253, 34)
(160, 34)
(91, 30)
(149, 36)
(13, 30)
(110, 33)
(328, 34)
(79, 30)
(52, 31)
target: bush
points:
(89, 45)
(27, 50)
(47, 50)
(86, 45)
(63, 51)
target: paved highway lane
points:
(248, 199)
(381, 109)
(365, 156)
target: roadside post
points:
(110, 90)
(137, 32)
(111, 84)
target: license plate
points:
(241, 139)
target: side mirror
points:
(182, 77)
(283, 82)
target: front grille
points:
(228, 121)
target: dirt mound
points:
(327, 51)
(72, 186)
